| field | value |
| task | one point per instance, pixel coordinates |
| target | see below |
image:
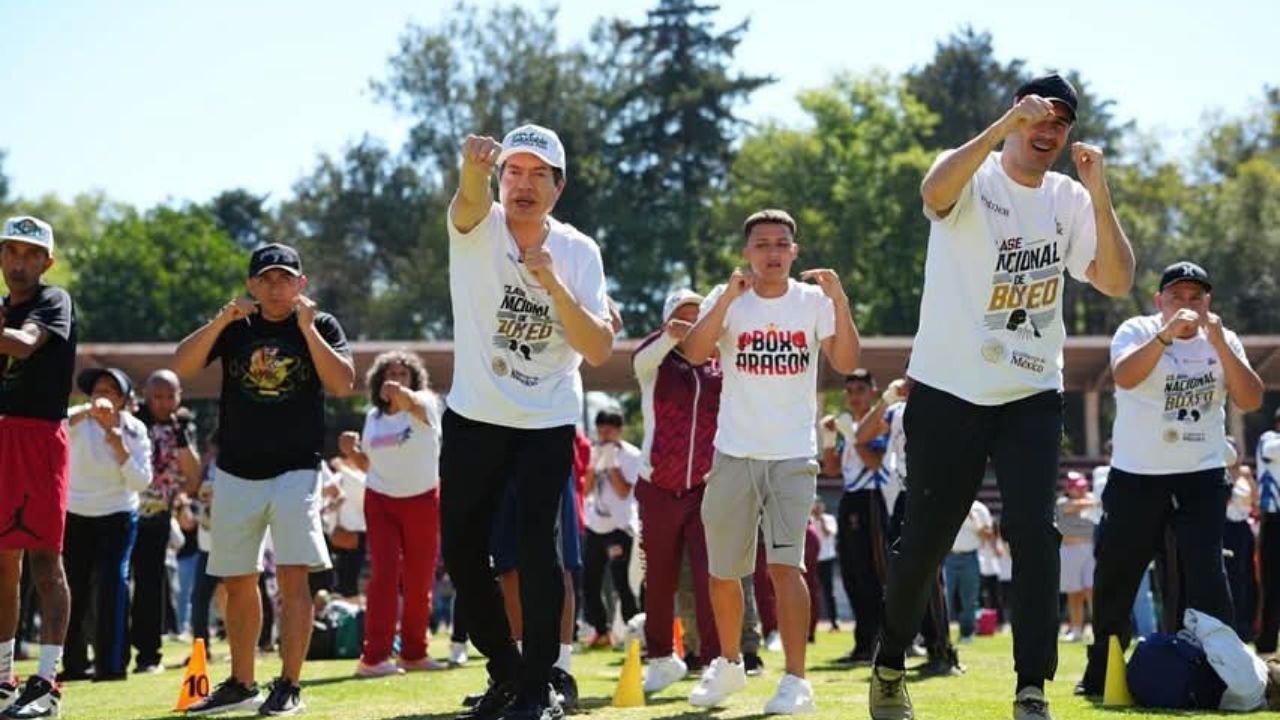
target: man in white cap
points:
(680, 402)
(529, 305)
(37, 358)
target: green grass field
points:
(330, 691)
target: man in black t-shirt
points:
(37, 358)
(175, 467)
(279, 357)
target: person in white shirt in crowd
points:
(529, 306)
(825, 522)
(1076, 515)
(768, 329)
(1239, 543)
(961, 571)
(612, 523)
(989, 567)
(987, 365)
(348, 537)
(1174, 371)
(400, 447)
(110, 465)
(1268, 472)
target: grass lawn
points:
(330, 691)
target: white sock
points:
(520, 646)
(566, 654)
(6, 661)
(49, 657)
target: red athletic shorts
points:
(33, 483)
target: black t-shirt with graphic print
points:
(271, 413)
(38, 387)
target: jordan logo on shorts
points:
(16, 524)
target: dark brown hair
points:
(378, 374)
(768, 215)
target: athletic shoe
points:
(426, 663)
(947, 665)
(458, 653)
(692, 662)
(39, 699)
(752, 664)
(720, 680)
(773, 643)
(565, 688)
(283, 698)
(1073, 636)
(1031, 705)
(526, 710)
(493, 704)
(916, 651)
(856, 658)
(888, 698)
(794, 697)
(376, 670)
(231, 694)
(662, 672)
(8, 693)
(151, 669)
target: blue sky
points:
(153, 101)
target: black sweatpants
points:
(827, 583)
(1238, 538)
(477, 460)
(949, 443)
(98, 548)
(597, 558)
(150, 589)
(935, 627)
(862, 525)
(1269, 559)
(1137, 509)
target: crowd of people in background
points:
(492, 511)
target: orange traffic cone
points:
(195, 682)
(677, 639)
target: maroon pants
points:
(403, 539)
(669, 526)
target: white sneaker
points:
(773, 643)
(720, 680)
(662, 672)
(1072, 636)
(794, 697)
(458, 653)
(39, 699)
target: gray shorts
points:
(244, 510)
(746, 496)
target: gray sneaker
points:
(1031, 705)
(888, 697)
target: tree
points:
(74, 224)
(241, 215)
(155, 276)
(4, 181)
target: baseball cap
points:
(1077, 481)
(536, 140)
(1185, 270)
(1051, 87)
(89, 377)
(30, 230)
(683, 296)
(861, 375)
(272, 257)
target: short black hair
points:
(861, 375)
(768, 215)
(609, 417)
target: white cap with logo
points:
(27, 229)
(675, 300)
(536, 140)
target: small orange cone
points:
(195, 682)
(677, 639)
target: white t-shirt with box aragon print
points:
(512, 363)
(991, 328)
(770, 351)
(1174, 421)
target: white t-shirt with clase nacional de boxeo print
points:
(991, 328)
(512, 363)
(770, 351)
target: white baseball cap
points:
(30, 230)
(536, 140)
(675, 300)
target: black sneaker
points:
(527, 710)
(39, 699)
(231, 694)
(693, 662)
(856, 658)
(566, 689)
(1031, 705)
(283, 698)
(752, 664)
(493, 704)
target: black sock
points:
(1026, 681)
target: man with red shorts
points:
(37, 359)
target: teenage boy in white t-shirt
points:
(767, 328)
(987, 367)
(529, 305)
(1173, 373)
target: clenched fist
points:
(1028, 111)
(481, 151)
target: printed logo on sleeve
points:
(773, 351)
